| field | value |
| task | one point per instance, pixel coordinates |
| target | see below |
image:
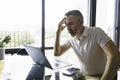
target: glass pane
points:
(105, 16)
(54, 12)
(22, 20)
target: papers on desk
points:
(70, 71)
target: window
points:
(22, 20)
(105, 16)
(54, 13)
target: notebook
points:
(46, 60)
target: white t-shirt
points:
(89, 50)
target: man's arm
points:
(58, 49)
(113, 61)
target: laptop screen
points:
(49, 61)
(37, 55)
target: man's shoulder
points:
(96, 29)
(93, 27)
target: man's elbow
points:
(116, 59)
(57, 54)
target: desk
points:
(62, 77)
(20, 66)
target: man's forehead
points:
(70, 18)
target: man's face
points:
(73, 25)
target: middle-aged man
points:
(96, 52)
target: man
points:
(96, 52)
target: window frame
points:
(91, 21)
(117, 24)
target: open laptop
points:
(46, 60)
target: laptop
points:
(46, 60)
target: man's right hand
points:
(61, 25)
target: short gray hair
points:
(74, 13)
